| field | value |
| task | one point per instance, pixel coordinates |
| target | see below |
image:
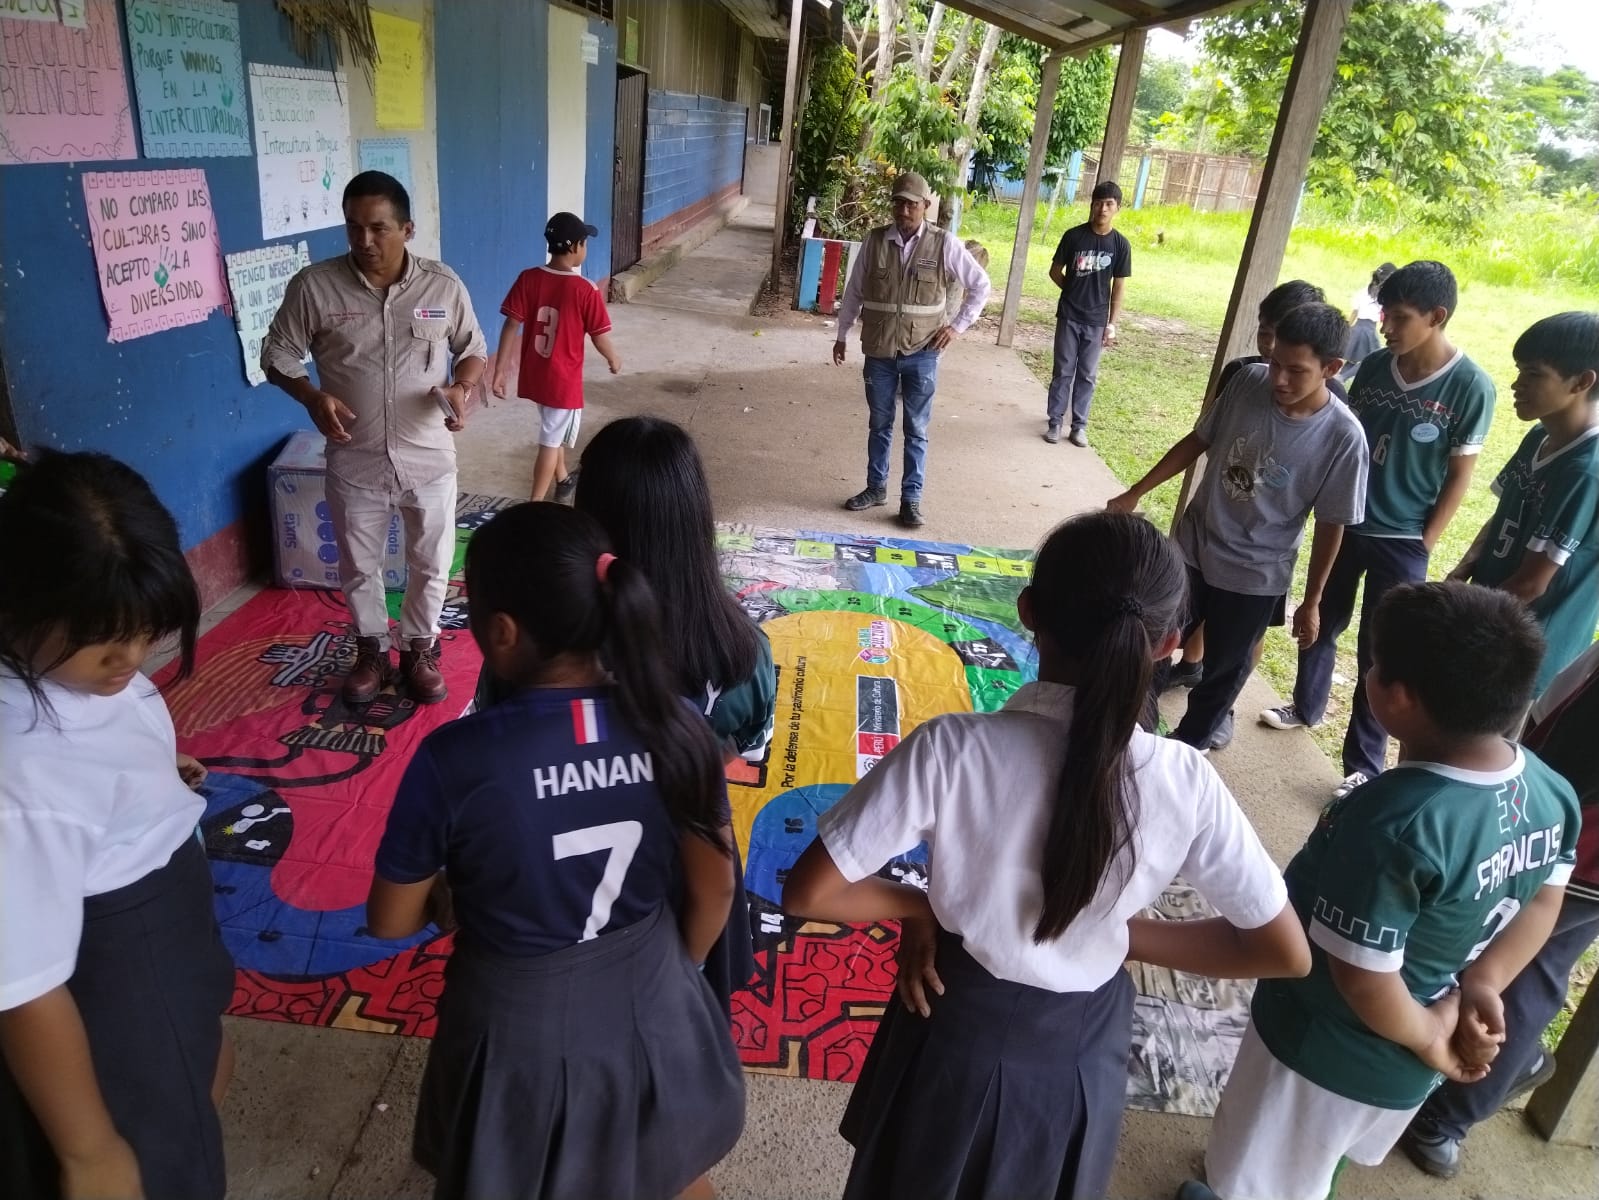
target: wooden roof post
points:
(790, 128)
(1120, 119)
(1309, 80)
(1029, 209)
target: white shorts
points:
(1278, 1136)
(558, 426)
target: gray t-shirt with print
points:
(1264, 475)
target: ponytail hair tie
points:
(1127, 606)
(602, 567)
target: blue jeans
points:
(1386, 563)
(1077, 351)
(1531, 1002)
(913, 376)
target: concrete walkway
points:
(326, 1113)
(724, 276)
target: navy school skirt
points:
(1005, 1091)
(151, 982)
(603, 1070)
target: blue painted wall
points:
(598, 178)
(493, 110)
(693, 148)
(174, 405)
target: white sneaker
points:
(1286, 716)
(1350, 783)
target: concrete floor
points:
(321, 1113)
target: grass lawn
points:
(1184, 263)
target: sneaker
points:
(566, 488)
(1223, 737)
(1185, 675)
(1078, 437)
(1351, 781)
(1052, 434)
(1430, 1151)
(1436, 1153)
(1286, 716)
(419, 667)
(870, 498)
(910, 514)
(1193, 1189)
(371, 671)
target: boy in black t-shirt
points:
(1091, 263)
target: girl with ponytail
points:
(583, 825)
(1050, 825)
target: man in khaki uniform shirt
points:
(383, 327)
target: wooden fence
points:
(1151, 175)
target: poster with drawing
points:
(392, 156)
(257, 279)
(156, 249)
(302, 147)
(188, 74)
(63, 93)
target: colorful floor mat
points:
(870, 636)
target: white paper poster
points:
(302, 147)
(257, 279)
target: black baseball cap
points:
(565, 230)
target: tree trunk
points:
(887, 22)
(924, 60)
(858, 36)
(958, 52)
(974, 104)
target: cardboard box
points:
(304, 548)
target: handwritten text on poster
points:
(189, 77)
(156, 249)
(392, 156)
(63, 96)
(302, 147)
(257, 279)
(398, 85)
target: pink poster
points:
(155, 248)
(63, 94)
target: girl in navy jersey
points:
(113, 976)
(643, 480)
(582, 823)
(1005, 1072)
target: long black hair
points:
(643, 480)
(1107, 588)
(541, 565)
(91, 556)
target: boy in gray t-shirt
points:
(1280, 447)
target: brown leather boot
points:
(419, 667)
(371, 671)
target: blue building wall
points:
(174, 405)
(493, 113)
(693, 148)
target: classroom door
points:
(627, 198)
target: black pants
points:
(1233, 624)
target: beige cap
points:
(911, 186)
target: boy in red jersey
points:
(561, 307)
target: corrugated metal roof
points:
(1058, 24)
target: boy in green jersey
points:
(1424, 892)
(1542, 543)
(1426, 409)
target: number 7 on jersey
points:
(620, 840)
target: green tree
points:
(1081, 103)
(1409, 124)
(1162, 87)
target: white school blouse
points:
(90, 801)
(979, 788)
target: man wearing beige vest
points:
(897, 287)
